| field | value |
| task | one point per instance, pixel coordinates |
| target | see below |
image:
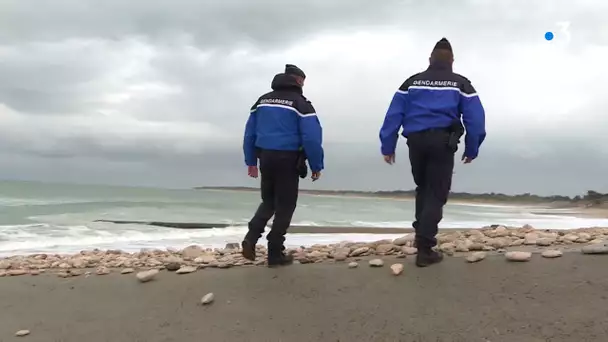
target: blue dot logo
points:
(549, 35)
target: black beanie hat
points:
(443, 44)
(291, 69)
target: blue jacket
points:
(284, 120)
(434, 98)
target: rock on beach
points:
(551, 253)
(496, 239)
(475, 257)
(146, 276)
(518, 256)
(376, 263)
(397, 269)
(595, 249)
(208, 298)
(22, 333)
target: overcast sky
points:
(157, 92)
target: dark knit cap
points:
(443, 44)
(291, 69)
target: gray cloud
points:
(157, 93)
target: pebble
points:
(22, 333)
(146, 276)
(173, 266)
(16, 272)
(353, 265)
(518, 256)
(595, 249)
(127, 271)
(552, 253)
(186, 270)
(376, 263)
(409, 250)
(475, 257)
(102, 270)
(494, 238)
(397, 269)
(208, 298)
(359, 251)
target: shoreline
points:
(572, 208)
(496, 239)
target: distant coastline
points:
(591, 199)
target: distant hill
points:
(591, 198)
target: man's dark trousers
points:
(279, 187)
(432, 163)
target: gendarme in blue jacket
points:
(434, 98)
(284, 120)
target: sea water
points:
(58, 218)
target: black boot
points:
(427, 257)
(277, 257)
(248, 249)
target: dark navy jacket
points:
(434, 98)
(284, 120)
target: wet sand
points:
(564, 299)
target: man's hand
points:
(390, 159)
(252, 171)
(315, 175)
(466, 160)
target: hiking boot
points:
(280, 260)
(426, 258)
(248, 250)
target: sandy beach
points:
(554, 300)
(500, 284)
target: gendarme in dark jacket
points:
(284, 120)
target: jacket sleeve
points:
(389, 132)
(251, 158)
(311, 134)
(474, 119)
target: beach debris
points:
(63, 274)
(518, 256)
(552, 253)
(208, 298)
(22, 333)
(127, 270)
(186, 270)
(397, 269)
(2, 273)
(595, 249)
(146, 276)
(475, 257)
(376, 263)
(353, 264)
